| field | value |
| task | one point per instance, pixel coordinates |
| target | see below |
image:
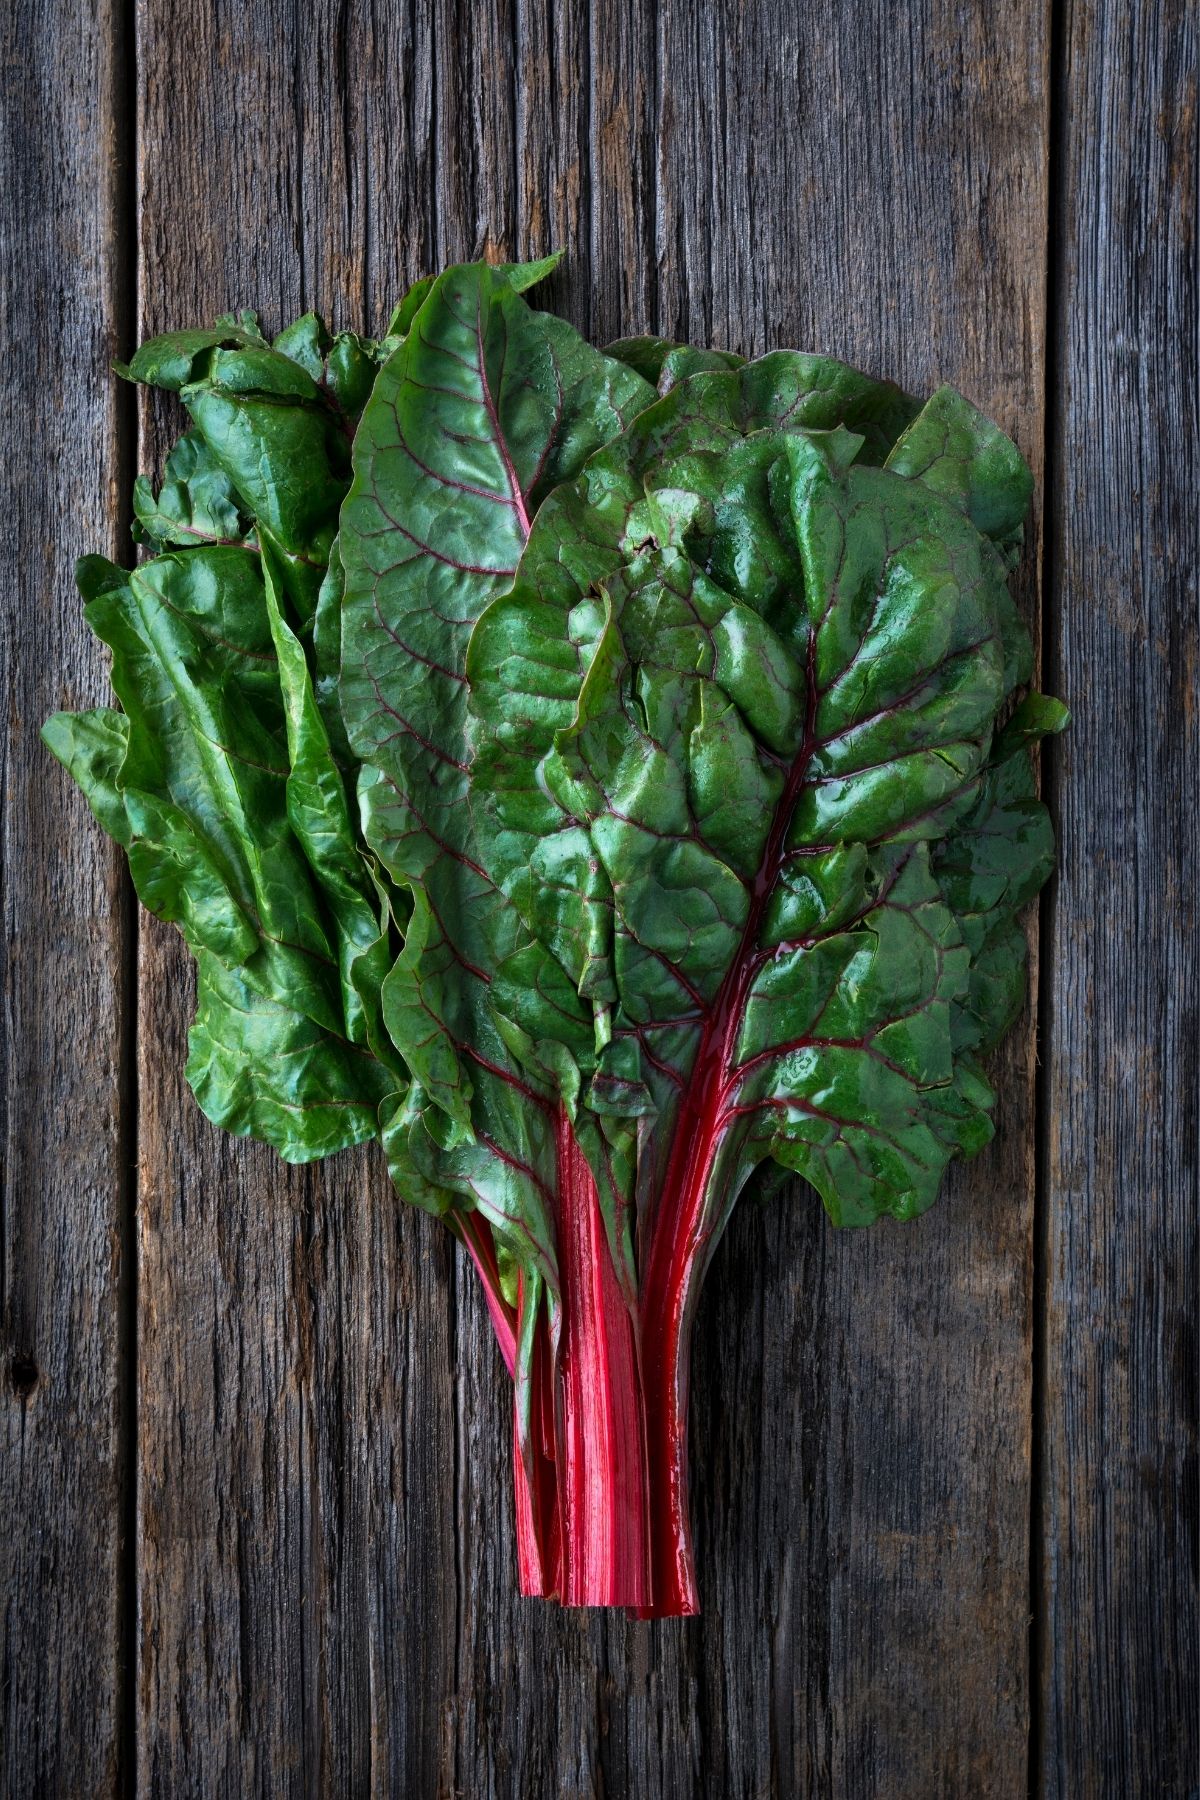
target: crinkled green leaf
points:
(261, 1069)
(560, 760)
(730, 808)
(520, 277)
(991, 866)
(235, 818)
(663, 363)
(196, 503)
(171, 361)
(273, 424)
(481, 409)
(91, 747)
(318, 812)
(954, 450)
(746, 678)
(281, 452)
(222, 775)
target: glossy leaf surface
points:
(482, 409)
(597, 775)
(219, 776)
(742, 683)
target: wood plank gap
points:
(656, 134)
(125, 277)
(1056, 238)
(516, 248)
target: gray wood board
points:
(63, 1227)
(1120, 1642)
(297, 1445)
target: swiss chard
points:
(589, 773)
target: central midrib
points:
(725, 1011)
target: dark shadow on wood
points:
(1050, 681)
(125, 268)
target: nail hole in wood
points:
(23, 1373)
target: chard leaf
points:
(91, 747)
(218, 779)
(590, 774)
(745, 681)
(954, 450)
(474, 418)
(271, 444)
(991, 866)
(520, 277)
(222, 776)
(663, 363)
(196, 503)
(170, 361)
(319, 814)
(262, 1069)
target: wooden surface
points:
(65, 1265)
(256, 1455)
(1119, 1642)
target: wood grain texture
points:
(296, 1441)
(63, 1235)
(623, 190)
(1121, 1639)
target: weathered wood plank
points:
(622, 167)
(63, 1230)
(869, 181)
(325, 1569)
(472, 124)
(296, 1452)
(555, 171)
(1121, 1642)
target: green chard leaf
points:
(474, 418)
(482, 409)
(663, 363)
(744, 683)
(229, 777)
(222, 776)
(252, 858)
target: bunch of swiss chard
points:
(595, 775)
